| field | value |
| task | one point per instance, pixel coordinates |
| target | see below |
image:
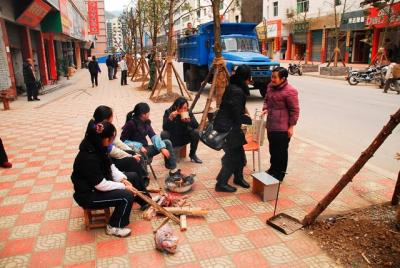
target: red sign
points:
(379, 18)
(93, 17)
(34, 14)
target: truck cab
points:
(239, 46)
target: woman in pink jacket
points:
(281, 105)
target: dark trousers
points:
(110, 72)
(121, 200)
(170, 162)
(93, 78)
(278, 150)
(192, 137)
(129, 164)
(233, 163)
(115, 72)
(32, 91)
(390, 81)
(124, 75)
(3, 155)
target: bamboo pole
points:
(354, 169)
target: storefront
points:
(270, 39)
(359, 43)
(300, 40)
(377, 20)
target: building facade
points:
(98, 36)
(306, 29)
(53, 33)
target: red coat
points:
(282, 103)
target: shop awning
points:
(274, 29)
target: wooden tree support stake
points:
(354, 169)
(162, 224)
(183, 223)
(190, 211)
(159, 208)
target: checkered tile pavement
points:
(41, 225)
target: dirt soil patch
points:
(362, 238)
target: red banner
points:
(379, 18)
(93, 17)
(34, 14)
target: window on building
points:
(275, 8)
(338, 2)
(221, 5)
(302, 6)
(237, 18)
(204, 12)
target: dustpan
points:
(282, 221)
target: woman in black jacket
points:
(230, 117)
(99, 184)
(180, 127)
(94, 70)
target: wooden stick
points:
(209, 100)
(354, 169)
(203, 85)
(162, 224)
(183, 222)
(157, 80)
(396, 193)
(365, 258)
(159, 208)
(191, 211)
(179, 79)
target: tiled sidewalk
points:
(41, 225)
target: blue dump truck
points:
(239, 46)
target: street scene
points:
(210, 133)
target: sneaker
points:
(120, 232)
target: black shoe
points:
(144, 207)
(30, 99)
(92, 85)
(36, 99)
(195, 159)
(242, 183)
(225, 188)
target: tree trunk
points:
(169, 47)
(217, 28)
(354, 169)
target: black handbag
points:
(212, 138)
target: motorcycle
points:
(295, 68)
(372, 74)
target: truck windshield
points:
(239, 44)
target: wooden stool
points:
(96, 220)
(266, 185)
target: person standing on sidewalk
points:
(281, 105)
(94, 70)
(3, 157)
(393, 76)
(124, 71)
(30, 80)
(115, 65)
(110, 67)
(231, 115)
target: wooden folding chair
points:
(255, 137)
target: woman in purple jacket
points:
(282, 106)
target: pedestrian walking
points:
(32, 89)
(3, 157)
(152, 69)
(281, 105)
(110, 67)
(115, 65)
(392, 77)
(231, 115)
(94, 70)
(124, 71)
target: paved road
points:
(345, 118)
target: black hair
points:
(102, 130)
(282, 72)
(140, 108)
(93, 57)
(178, 103)
(101, 113)
(242, 74)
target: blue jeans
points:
(170, 162)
